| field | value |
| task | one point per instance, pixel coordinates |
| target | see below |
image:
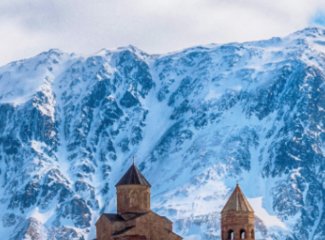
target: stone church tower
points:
(133, 192)
(134, 219)
(237, 218)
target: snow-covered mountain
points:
(198, 121)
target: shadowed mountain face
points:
(197, 121)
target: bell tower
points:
(237, 218)
(133, 192)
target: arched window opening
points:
(231, 235)
(252, 233)
(242, 234)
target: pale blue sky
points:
(318, 18)
(28, 27)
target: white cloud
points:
(84, 26)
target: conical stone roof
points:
(133, 177)
(237, 203)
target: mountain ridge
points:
(197, 120)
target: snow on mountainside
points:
(197, 121)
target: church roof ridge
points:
(237, 202)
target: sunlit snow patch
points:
(270, 221)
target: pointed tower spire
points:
(133, 177)
(237, 202)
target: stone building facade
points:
(134, 219)
(237, 218)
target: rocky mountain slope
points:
(197, 121)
